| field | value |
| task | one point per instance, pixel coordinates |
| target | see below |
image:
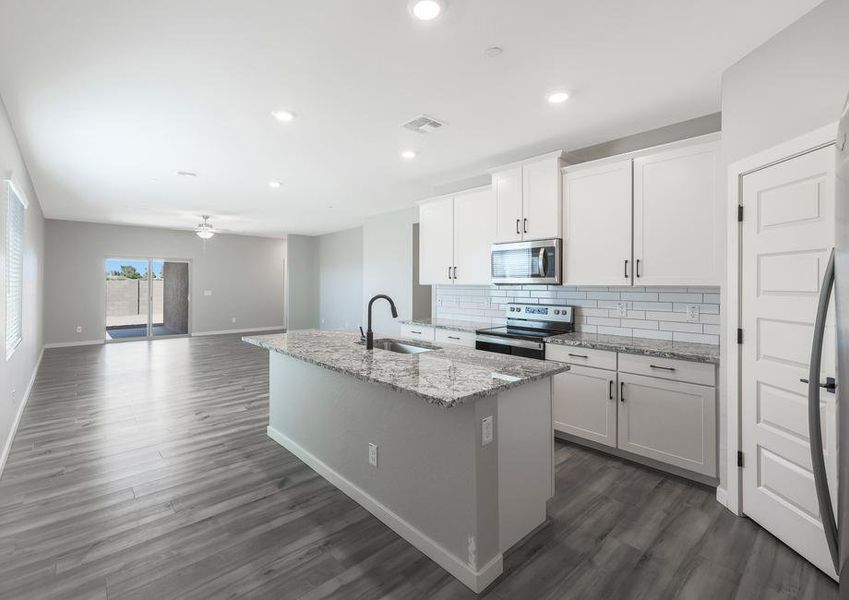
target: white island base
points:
(436, 484)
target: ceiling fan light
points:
(205, 230)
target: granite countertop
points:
(632, 345)
(446, 376)
(450, 324)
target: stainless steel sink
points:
(400, 347)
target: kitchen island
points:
(452, 447)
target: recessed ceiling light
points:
(426, 10)
(408, 154)
(187, 174)
(275, 184)
(493, 51)
(558, 97)
(284, 116)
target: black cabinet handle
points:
(414, 331)
(517, 227)
(579, 355)
(626, 268)
(621, 391)
(453, 337)
(526, 226)
(449, 272)
(638, 267)
(455, 272)
(610, 389)
(662, 368)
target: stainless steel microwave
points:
(536, 261)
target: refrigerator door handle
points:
(814, 423)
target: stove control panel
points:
(540, 312)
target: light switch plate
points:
(486, 430)
(207, 292)
(621, 309)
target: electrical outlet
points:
(14, 396)
(622, 309)
(692, 313)
(207, 292)
(234, 319)
(486, 430)
(79, 328)
(372, 454)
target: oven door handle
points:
(502, 341)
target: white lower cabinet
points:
(669, 418)
(585, 404)
(669, 421)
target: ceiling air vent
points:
(423, 124)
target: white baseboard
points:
(722, 496)
(249, 330)
(476, 580)
(7, 447)
(69, 344)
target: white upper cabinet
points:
(528, 199)
(541, 199)
(474, 232)
(597, 225)
(455, 236)
(677, 217)
(436, 242)
(507, 185)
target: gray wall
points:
(244, 274)
(17, 372)
(302, 298)
(792, 84)
(422, 294)
(388, 266)
(340, 268)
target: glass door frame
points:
(149, 328)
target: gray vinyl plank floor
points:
(142, 470)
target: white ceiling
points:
(109, 98)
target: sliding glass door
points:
(146, 298)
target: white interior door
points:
(788, 230)
(474, 232)
(597, 225)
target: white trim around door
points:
(732, 495)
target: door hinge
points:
(740, 213)
(739, 336)
(739, 459)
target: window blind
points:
(15, 223)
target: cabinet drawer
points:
(459, 338)
(417, 332)
(668, 368)
(586, 357)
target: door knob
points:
(830, 384)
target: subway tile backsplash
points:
(651, 312)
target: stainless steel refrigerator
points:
(839, 547)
